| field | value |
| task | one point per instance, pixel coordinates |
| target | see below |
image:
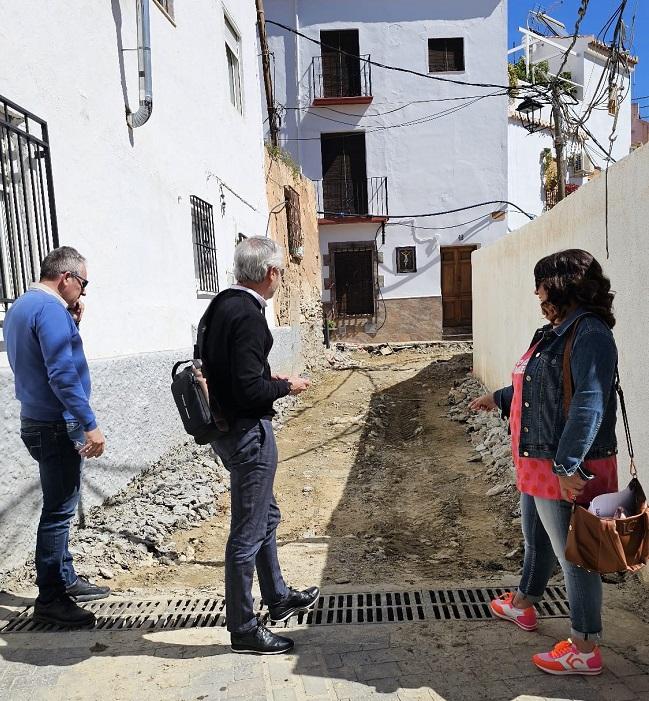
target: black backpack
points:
(199, 420)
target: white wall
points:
(506, 311)
(450, 162)
(123, 197)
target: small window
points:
(445, 55)
(205, 263)
(233, 56)
(407, 259)
(294, 223)
(167, 6)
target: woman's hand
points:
(484, 403)
(571, 487)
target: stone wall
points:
(298, 300)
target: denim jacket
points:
(589, 431)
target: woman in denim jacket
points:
(560, 458)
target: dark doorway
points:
(344, 173)
(457, 297)
(353, 277)
(341, 66)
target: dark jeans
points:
(545, 527)
(59, 463)
(249, 453)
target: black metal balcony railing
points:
(359, 198)
(337, 75)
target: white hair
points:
(254, 257)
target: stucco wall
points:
(506, 311)
(439, 164)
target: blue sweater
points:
(46, 355)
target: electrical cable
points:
(275, 210)
(389, 67)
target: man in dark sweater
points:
(242, 389)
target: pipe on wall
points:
(137, 119)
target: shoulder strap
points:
(625, 419)
(567, 372)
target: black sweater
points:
(235, 358)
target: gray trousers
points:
(249, 453)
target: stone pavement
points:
(441, 661)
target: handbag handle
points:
(568, 391)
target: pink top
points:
(534, 476)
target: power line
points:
(389, 67)
(436, 214)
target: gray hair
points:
(254, 257)
(61, 260)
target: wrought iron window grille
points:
(205, 254)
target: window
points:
(353, 271)
(294, 223)
(28, 229)
(341, 65)
(207, 272)
(233, 56)
(406, 259)
(167, 6)
(344, 173)
(445, 55)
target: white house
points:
(586, 157)
(156, 209)
(388, 146)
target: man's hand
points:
(571, 487)
(94, 445)
(281, 377)
(77, 311)
(298, 384)
(484, 403)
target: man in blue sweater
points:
(58, 427)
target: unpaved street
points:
(374, 485)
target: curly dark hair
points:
(574, 276)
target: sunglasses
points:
(82, 280)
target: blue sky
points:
(598, 14)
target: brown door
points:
(344, 175)
(341, 67)
(457, 299)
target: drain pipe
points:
(137, 119)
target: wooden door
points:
(344, 173)
(341, 67)
(354, 282)
(457, 298)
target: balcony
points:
(339, 79)
(343, 201)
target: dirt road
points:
(374, 485)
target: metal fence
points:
(339, 197)
(28, 229)
(339, 75)
(207, 271)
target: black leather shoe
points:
(83, 590)
(63, 612)
(261, 642)
(295, 602)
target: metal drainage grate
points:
(473, 604)
(331, 609)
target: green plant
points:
(550, 173)
(277, 153)
(539, 75)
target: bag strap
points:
(625, 418)
(568, 391)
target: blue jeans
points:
(52, 445)
(249, 453)
(545, 528)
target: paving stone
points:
(378, 671)
(315, 686)
(333, 660)
(284, 693)
(414, 667)
(638, 683)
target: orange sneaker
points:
(565, 658)
(504, 608)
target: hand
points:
(571, 487)
(95, 444)
(298, 384)
(281, 377)
(202, 382)
(484, 403)
(76, 310)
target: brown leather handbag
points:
(608, 545)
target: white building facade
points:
(157, 210)
(388, 146)
(586, 157)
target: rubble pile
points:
(491, 441)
